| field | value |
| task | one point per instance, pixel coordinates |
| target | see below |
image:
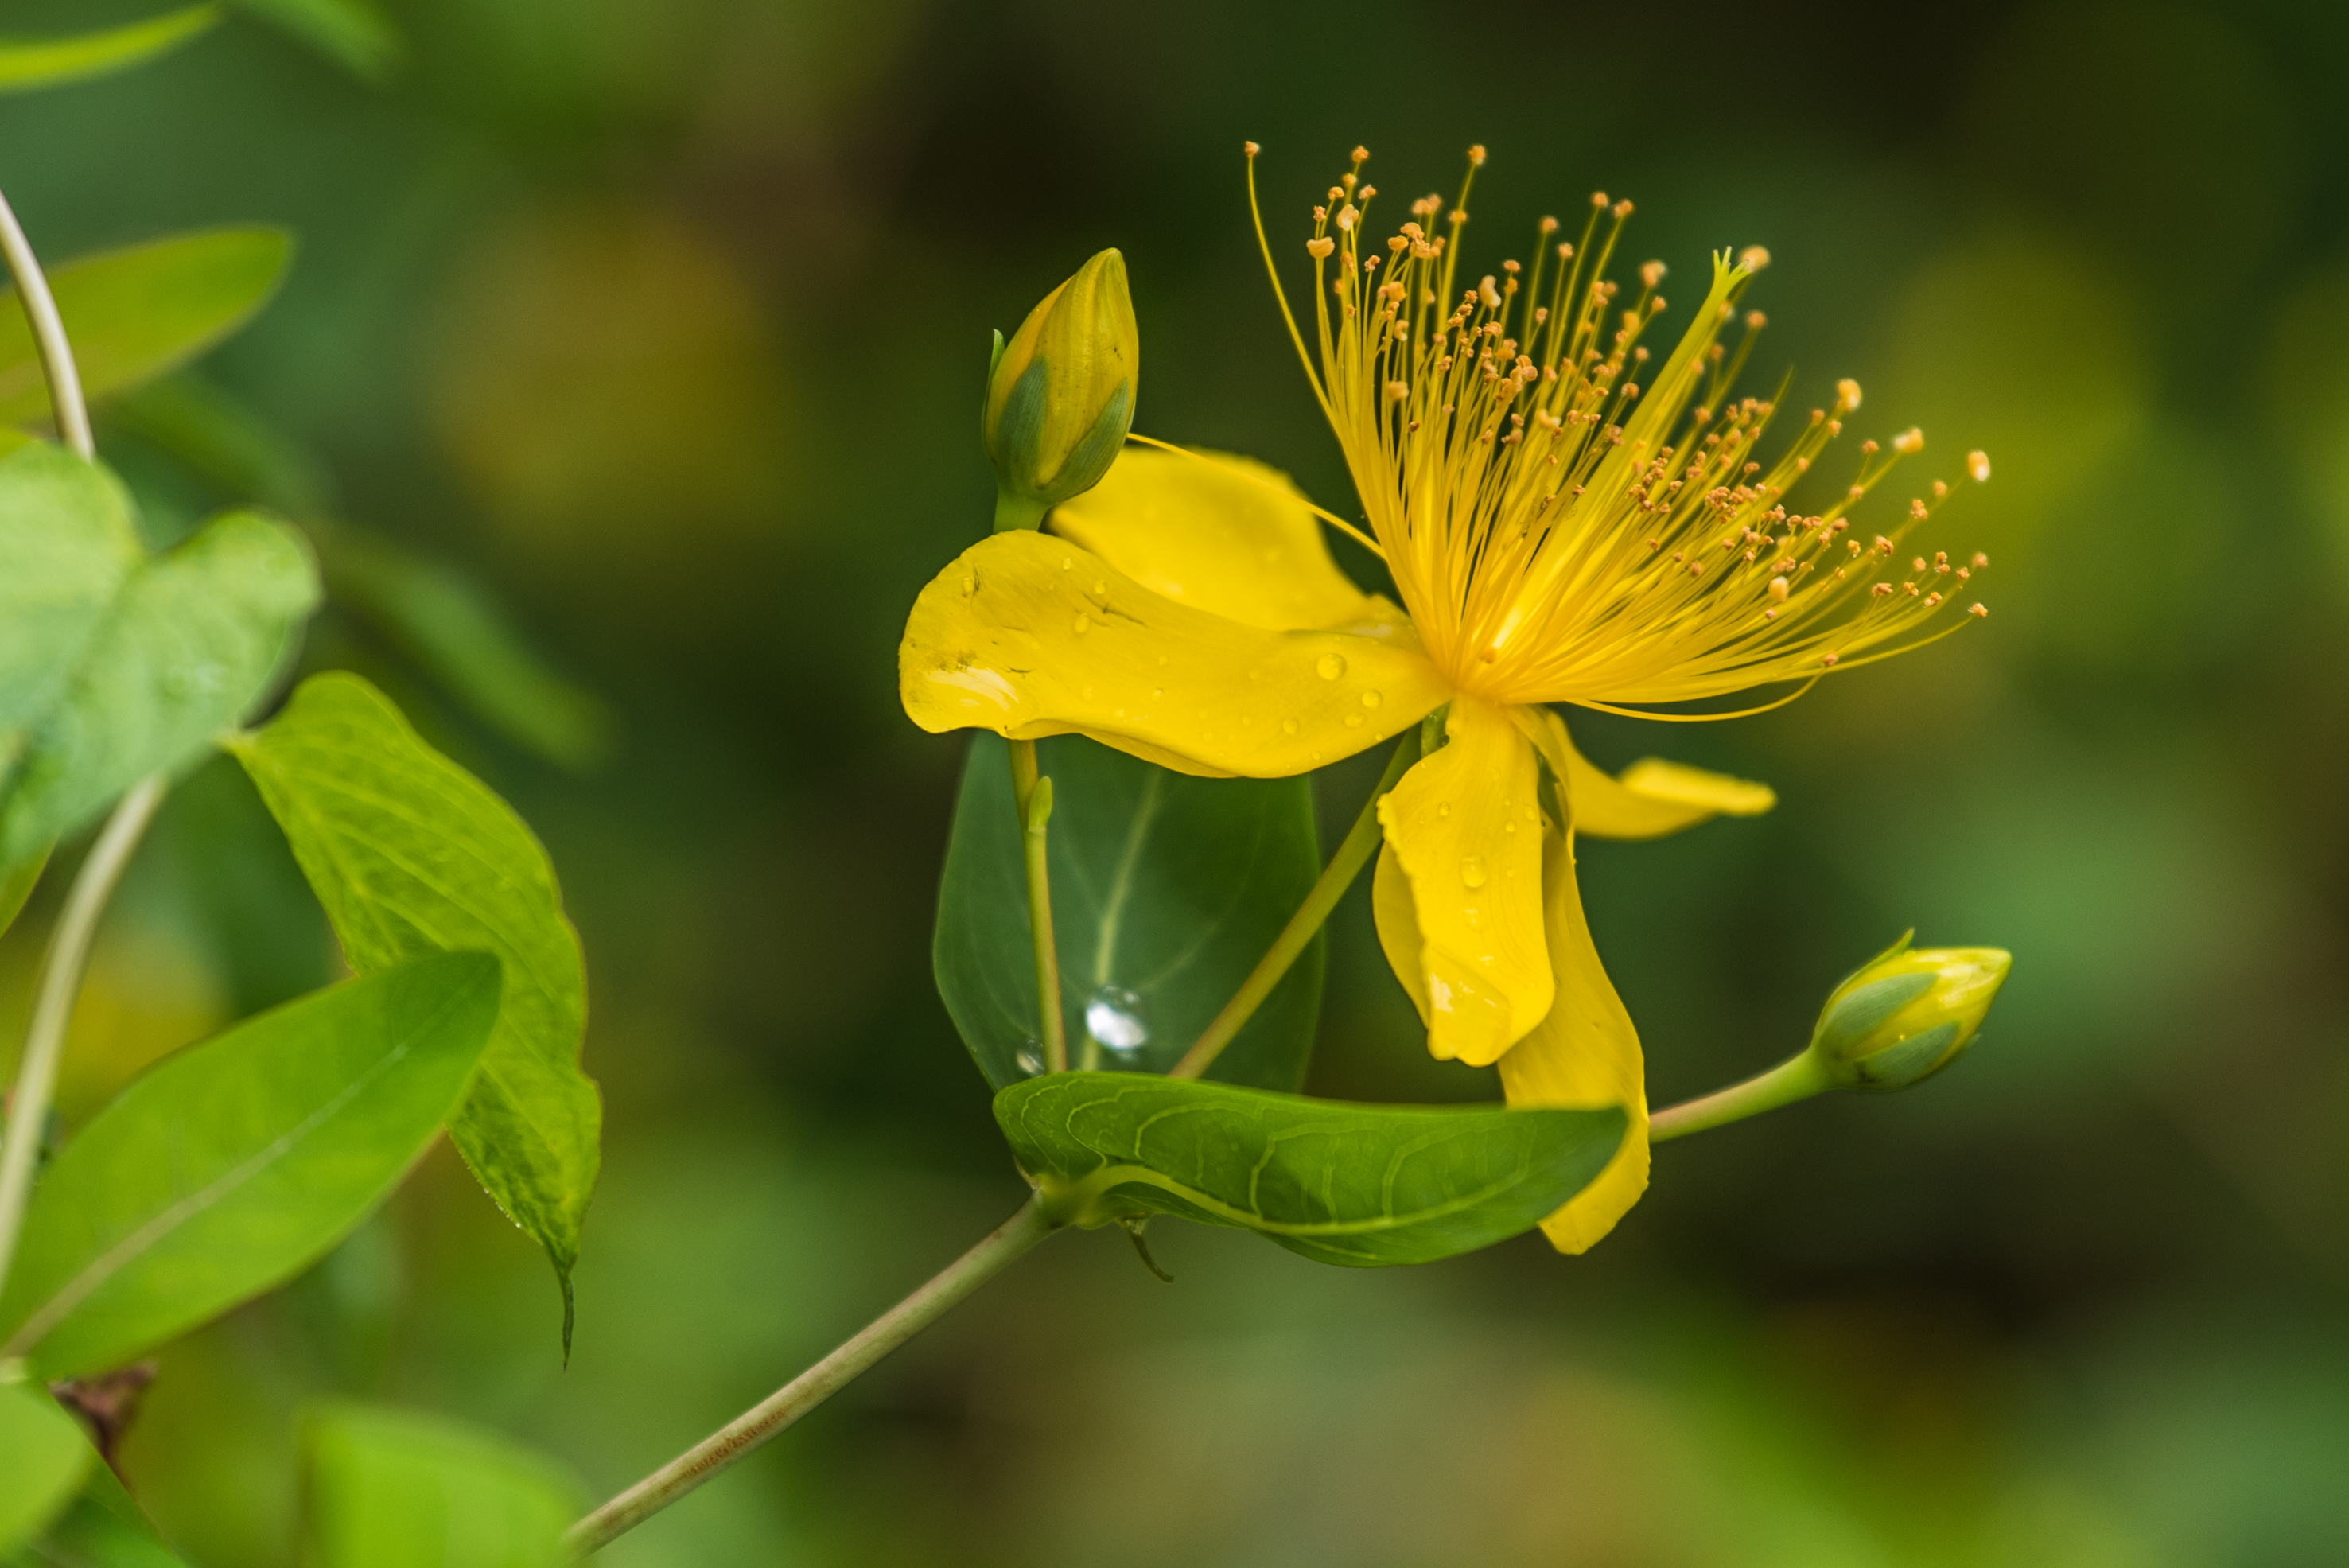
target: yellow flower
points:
(1564, 523)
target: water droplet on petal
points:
(1114, 1017)
(1081, 627)
(1030, 1059)
(1330, 666)
(1472, 871)
(1158, 691)
(1099, 589)
(1353, 720)
(1372, 699)
(1444, 808)
(1288, 726)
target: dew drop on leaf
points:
(1114, 1017)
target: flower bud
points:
(1907, 1015)
(1059, 397)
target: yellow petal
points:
(1654, 798)
(1465, 833)
(1586, 1052)
(1223, 534)
(1030, 635)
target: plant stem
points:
(1797, 1078)
(61, 972)
(885, 1333)
(1353, 853)
(48, 335)
(1038, 813)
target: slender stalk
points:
(885, 1333)
(1353, 854)
(49, 334)
(1797, 1078)
(1038, 812)
(61, 972)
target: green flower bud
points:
(1060, 396)
(1907, 1015)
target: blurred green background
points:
(668, 320)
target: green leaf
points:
(28, 65)
(228, 1166)
(450, 627)
(103, 1529)
(391, 1488)
(134, 314)
(66, 547)
(410, 853)
(43, 1458)
(351, 33)
(1358, 1185)
(1164, 886)
(189, 641)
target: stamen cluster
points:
(1567, 520)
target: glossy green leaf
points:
(391, 1488)
(1165, 887)
(43, 1458)
(1363, 1185)
(228, 1166)
(104, 1528)
(28, 65)
(352, 33)
(410, 853)
(134, 314)
(189, 642)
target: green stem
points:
(1035, 811)
(61, 972)
(1797, 1078)
(1014, 511)
(1347, 863)
(885, 1333)
(48, 335)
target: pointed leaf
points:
(391, 1488)
(43, 1458)
(102, 1529)
(136, 313)
(410, 853)
(190, 642)
(28, 65)
(228, 1167)
(1357, 1185)
(1166, 886)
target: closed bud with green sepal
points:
(1906, 1015)
(1060, 396)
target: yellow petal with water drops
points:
(1223, 534)
(1585, 1053)
(1652, 797)
(1030, 635)
(1465, 830)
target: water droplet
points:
(1372, 699)
(1114, 1018)
(1158, 691)
(1330, 666)
(1082, 626)
(1510, 825)
(1288, 726)
(1030, 1059)
(970, 582)
(1353, 720)
(1099, 589)
(1444, 808)
(1472, 871)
